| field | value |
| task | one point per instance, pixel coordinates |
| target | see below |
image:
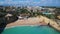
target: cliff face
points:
(52, 23)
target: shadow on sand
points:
(4, 22)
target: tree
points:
(24, 11)
(2, 13)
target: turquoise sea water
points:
(30, 30)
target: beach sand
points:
(29, 21)
(35, 21)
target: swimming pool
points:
(30, 30)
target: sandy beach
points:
(29, 21)
(35, 21)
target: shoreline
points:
(35, 21)
(24, 25)
(21, 25)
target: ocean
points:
(30, 30)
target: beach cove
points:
(43, 21)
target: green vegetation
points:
(51, 16)
(22, 11)
(2, 13)
(30, 13)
